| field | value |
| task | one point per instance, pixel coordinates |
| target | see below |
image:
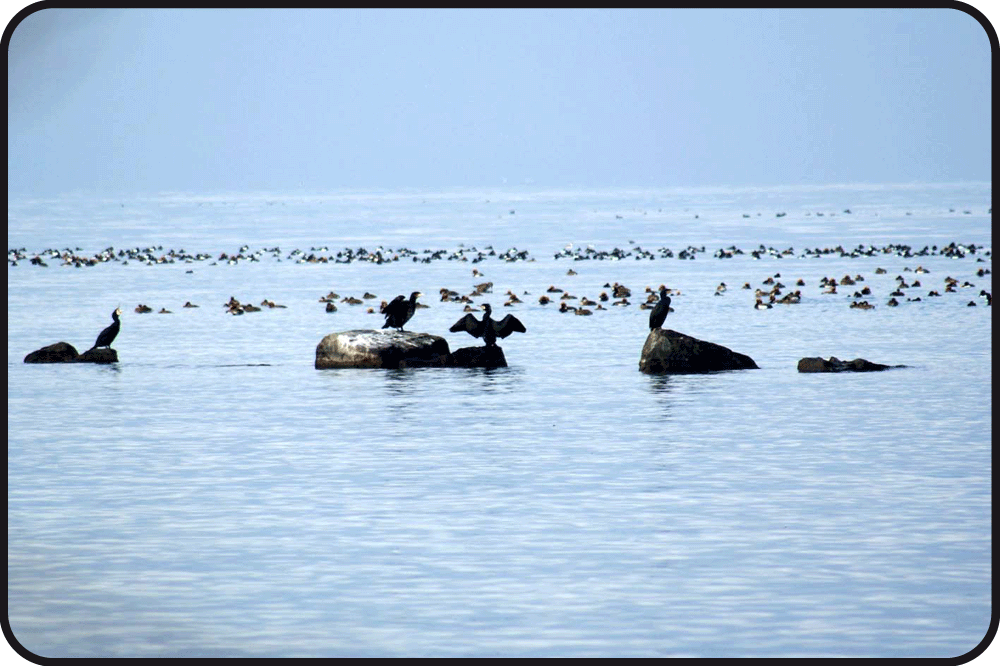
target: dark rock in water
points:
(670, 352)
(381, 349)
(60, 352)
(63, 352)
(479, 357)
(98, 355)
(817, 364)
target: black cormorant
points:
(660, 312)
(399, 310)
(488, 329)
(108, 335)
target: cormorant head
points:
(486, 306)
(414, 296)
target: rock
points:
(63, 352)
(479, 357)
(670, 352)
(381, 349)
(817, 364)
(100, 355)
(60, 352)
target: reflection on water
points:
(490, 380)
(661, 383)
(663, 386)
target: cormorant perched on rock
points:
(399, 310)
(488, 329)
(108, 335)
(660, 312)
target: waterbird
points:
(487, 328)
(660, 312)
(107, 336)
(399, 310)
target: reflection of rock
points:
(479, 357)
(63, 352)
(668, 351)
(817, 364)
(381, 349)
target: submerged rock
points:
(381, 349)
(479, 357)
(63, 352)
(834, 364)
(670, 352)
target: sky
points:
(120, 101)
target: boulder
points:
(479, 357)
(63, 352)
(670, 352)
(381, 349)
(817, 364)
(60, 352)
(100, 355)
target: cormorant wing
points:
(393, 307)
(508, 325)
(469, 324)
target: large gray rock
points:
(670, 352)
(817, 364)
(479, 357)
(381, 349)
(64, 352)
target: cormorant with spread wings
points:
(487, 328)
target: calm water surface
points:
(213, 494)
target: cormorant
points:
(660, 312)
(108, 335)
(399, 310)
(488, 329)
